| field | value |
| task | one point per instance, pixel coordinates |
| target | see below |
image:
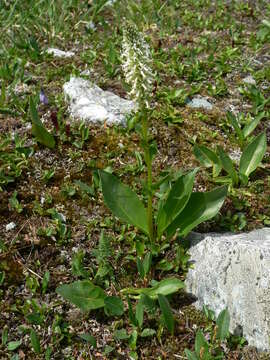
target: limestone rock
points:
(249, 80)
(233, 271)
(90, 103)
(197, 103)
(60, 53)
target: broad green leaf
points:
(4, 335)
(147, 332)
(131, 314)
(234, 123)
(149, 304)
(207, 158)
(140, 267)
(35, 341)
(139, 312)
(252, 155)
(202, 206)
(123, 202)
(147, 262)
(164, 287)
(191, 355)
(166, 312)
(176, 201)
(248, 129)
(113, 306)
(133, 339)
(83, 294)
(201, 343)
(223, 323)
(227, 165)
(121, 334)
(90, 339)
(38, 130)
(13, 345)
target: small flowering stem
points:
(148, 161)
(136, 63)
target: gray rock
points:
(90, 103)
(249, 80)
(60, 53)
(233, 271)
(197, 103)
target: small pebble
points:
(10, 226)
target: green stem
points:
(147, 157)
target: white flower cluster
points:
(136, 64)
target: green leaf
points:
(139, 312)
(131, 314)
(4, 335)
(176, 201)
(133, 340)
(123, 202)
(191, 355)
(248, 129)
(164, 287)
(149, 304)
(166, 312)
(207, 158)
(227, 165)
(83, 294)
(45, 281)
(223, 323)
(38, 130)
(121, 334)
(234, 123)
(13, 345)
(201, 343)
(35, 341)
(147, 262)
(113, 306)
(90, 339)
(147, 332)
(252, 155)
(202, 206)
(140, 267)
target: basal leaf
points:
(252, 155)
(207, 158)
(176, 201)
(202, 206)
(201, 343)
(164, 287)
(83, 294)
(38, 130)
(166, 312)
(123, 202)
(113, 306)
(227, 165)
(223, 323)
(248, 129)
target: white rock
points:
(60, 53)
(249, 80)
(10, 226)
(233, 271)
(197, 103)
(90, 103)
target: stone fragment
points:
(10, 226)
(233, 271)
(249, 80)
(60, 53)
(201, 102)
(90, 103)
